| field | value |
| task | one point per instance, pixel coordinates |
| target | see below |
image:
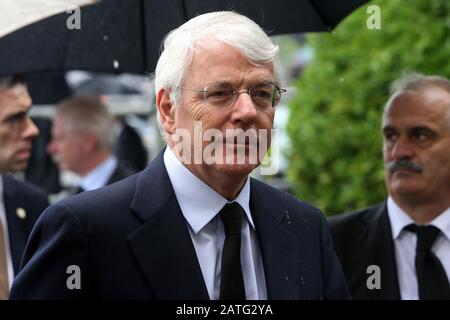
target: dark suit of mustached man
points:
(185, 229)
(400, 249)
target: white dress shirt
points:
(200, 205)
(6, 237)
(405, 247)
(100, 175)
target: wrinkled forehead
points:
(432, 104)
(221, 61)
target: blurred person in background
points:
(82, 142)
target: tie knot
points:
(426, 235)
(231, 215)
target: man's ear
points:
(166, 110)
(90, 142)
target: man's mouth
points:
(24, 154)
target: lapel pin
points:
(21, 213)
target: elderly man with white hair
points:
(193, 225)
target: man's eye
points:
(218, 94)
(18, 118)
(389, 136)
(420, 136)
(263, 94)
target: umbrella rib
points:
(319, 14)
(185, 12)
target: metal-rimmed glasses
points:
(264, 95)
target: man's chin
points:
(19, 166)
(405, 188)
(236, 169)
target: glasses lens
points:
(219, 94)
(262, 95)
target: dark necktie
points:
(231, 279)
(431, 276)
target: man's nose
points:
(30, 131)
(402, 149)
(244, 108)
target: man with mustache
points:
(405, 242)
(187, 228)
(20, 203)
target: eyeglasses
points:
(263, 96)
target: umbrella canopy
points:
(124, 36)
(283, 16)
(19, 13)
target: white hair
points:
(229, 27)
(89, 114)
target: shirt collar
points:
(400, 219)
(200, 203)
(442, 222)
(99, 176)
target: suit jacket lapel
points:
(378, 248)
(162, 246)
(279, 248)
(17, 228)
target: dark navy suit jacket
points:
(362, 239)
(31, 199)
(131, 241)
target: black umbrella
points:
(125, 36)
(283, 16)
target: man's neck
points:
(422, 212)
(227, 186)
(93, 162)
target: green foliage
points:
(336, 156)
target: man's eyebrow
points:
(424, 128)
(220, 84)
(265, 83)
(410, 129)
(428, 130)
(18, 114)
(226, 83)
(388, 129)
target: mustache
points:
(403, 164)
